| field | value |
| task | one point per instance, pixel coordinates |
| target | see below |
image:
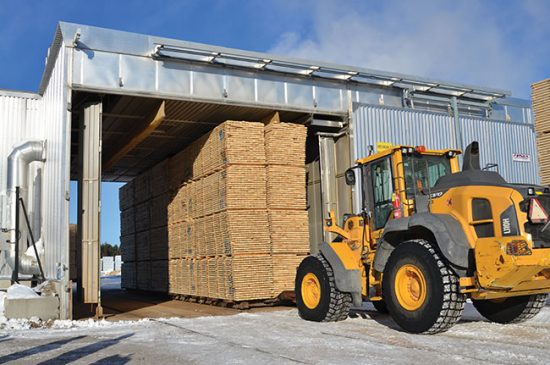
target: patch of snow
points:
(17, 291)
(91, 323)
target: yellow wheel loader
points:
(429, 237)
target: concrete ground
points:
(273, 337)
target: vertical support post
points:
(89, 203)
(458, 127)
(15, 272)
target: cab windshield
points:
(423, 171)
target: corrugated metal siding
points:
(372, 124)
(19, 115)
(24, 117)
(498, 141)
(56, 172)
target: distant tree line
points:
(109, 250)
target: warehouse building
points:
(113, 106)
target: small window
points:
(481, 209)
(481, 212)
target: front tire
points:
(511, 310)
(421, 292)
(317, 297)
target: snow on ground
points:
(281, 337)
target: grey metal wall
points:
(499, 140)
(372, 124)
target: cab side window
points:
(382, 183)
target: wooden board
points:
(128, 247)
(127, 222)
(159, 243)
(143, 275)
(143, 246)
(289, 231)
(541, 105)
(284, 272)
(129, 275)
(126, 196)
(286, 187)
(285, 144)
(143, 217)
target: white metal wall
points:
(19, 120)
(56, 120)
(498, 140)
(28, 116)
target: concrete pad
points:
(42, 307)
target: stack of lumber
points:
(286, 201)
(541, 108)
(224, 218)
(217, 218)
(127, 235)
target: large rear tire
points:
(511, 310)
(380, 306)
(317, 297)
(421, 293)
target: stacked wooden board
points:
(236, 224)
(144, 231)
(286, 201)
(541, 108)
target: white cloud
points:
(482, 43)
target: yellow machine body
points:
(501, 265)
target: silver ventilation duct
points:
(19, 160)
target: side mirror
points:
(350, 177)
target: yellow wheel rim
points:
(311, 291)
(410, 287)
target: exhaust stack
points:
(471, 157)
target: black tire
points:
(380, 306)
(443, 304)
(333, 305)
(511, 310)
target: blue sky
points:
(495, 43)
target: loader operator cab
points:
(393, 180)
(428, 237)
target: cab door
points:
(378, 190)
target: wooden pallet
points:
(142, 188)
(284, 272)
(158, 210)
(543, 148)
(126, 196)
(289, 231)
(159, 276)
(129, 275)
(232, 142)
(541, 105)
(143, 246)
(159, 243)
(127, 222)
(128, 247)
(143, 217)
(286, 187)
(285, 144)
